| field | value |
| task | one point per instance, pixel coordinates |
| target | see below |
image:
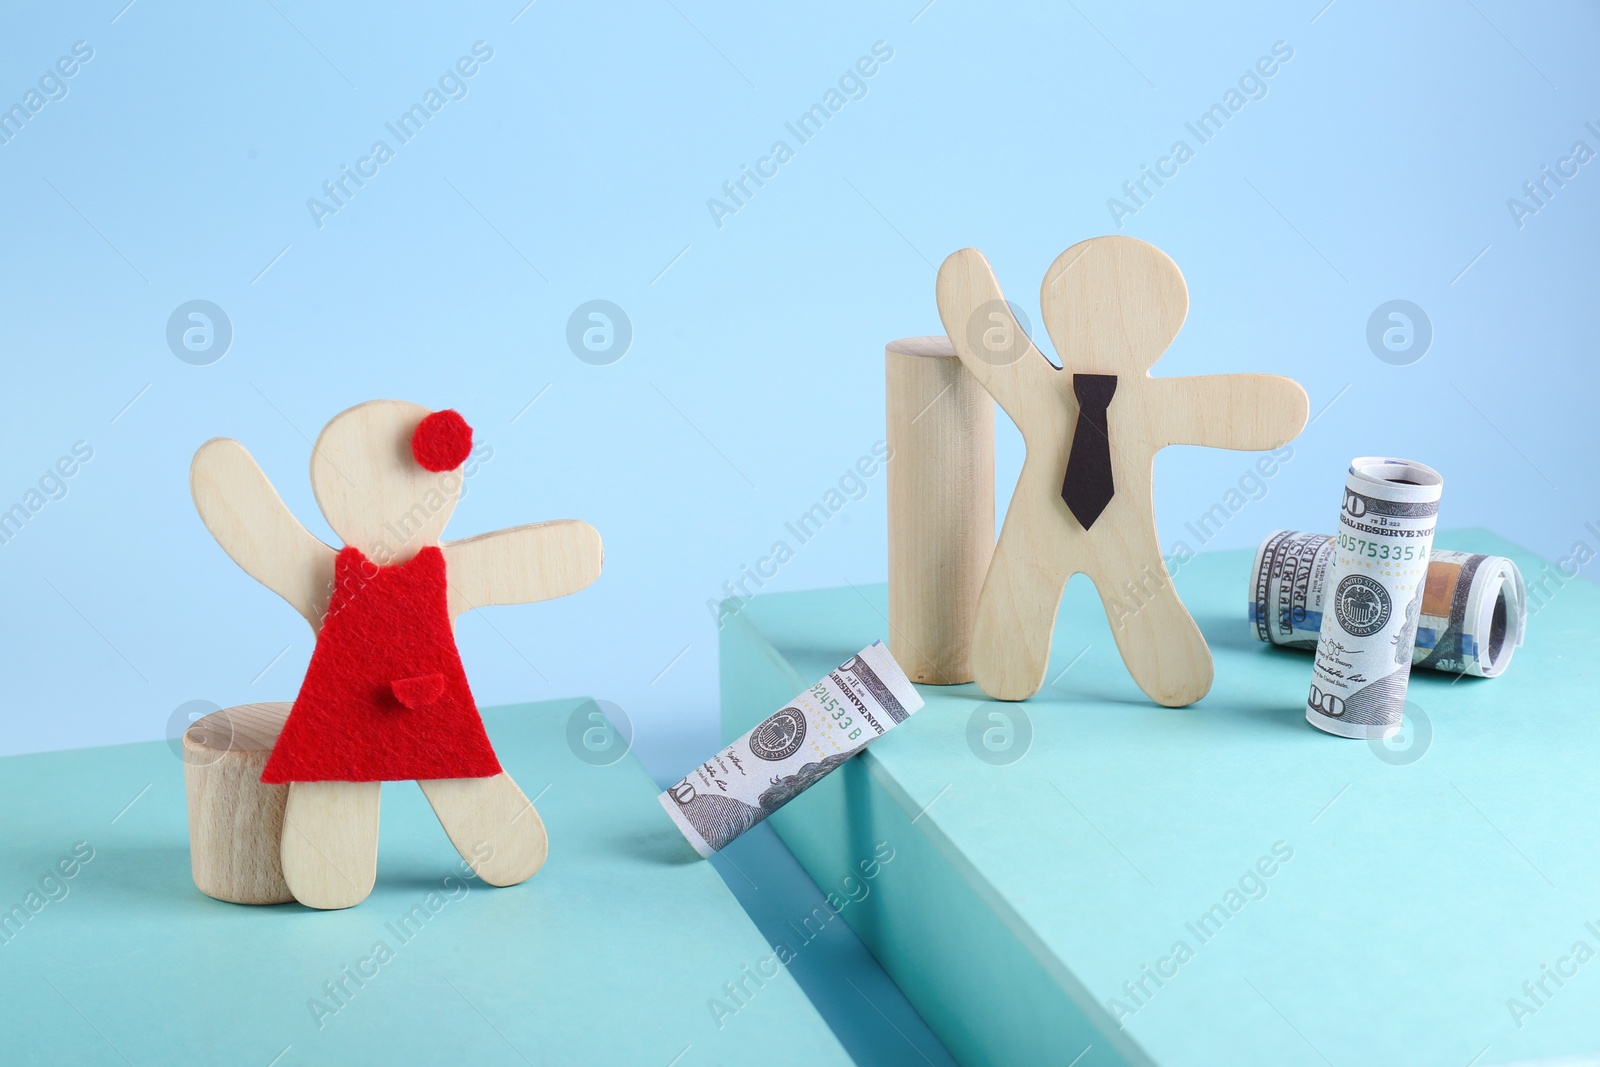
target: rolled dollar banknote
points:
(863, 699)
(1374, 599)
(1474, 607)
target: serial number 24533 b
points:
(836, 711)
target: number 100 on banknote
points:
(858, 702)
(1369, 620)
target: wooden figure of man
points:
(1092, 427)
(385, 697)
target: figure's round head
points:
(1112, 305)
(387, 474)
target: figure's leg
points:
(330, 842)
(1159, 641)
(492, 825)
(1017, 608)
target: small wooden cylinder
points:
(941, 507)
(236, 822)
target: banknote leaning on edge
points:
(1474, 607)
(1369, 627)
(791, 749)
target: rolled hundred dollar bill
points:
(863, 699)
(1374, 602)
(1474, 607)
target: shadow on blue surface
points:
(870, 1016)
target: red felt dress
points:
(385, 698)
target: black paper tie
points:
(1087, 488)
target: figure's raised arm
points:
(521, 565)
(254, 526)
(986, 335)
(1240, 411)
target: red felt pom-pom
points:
(442, 441)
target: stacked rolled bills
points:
(1474, 607)
(792, 749)
(1374, 600)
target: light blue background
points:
(578, 167)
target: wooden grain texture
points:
(522, 564)
(1111, 305)
(377, 498)
(235, 821)
(492, 825)
(251, 523)
(941, 506)
(330, 842)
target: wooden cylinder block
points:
(235, 821)
(941, 507)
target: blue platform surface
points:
(1220, 884)
(612, 954)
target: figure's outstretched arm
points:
(988, 338)
(523, 564)
(254, 526)
(1241, 411)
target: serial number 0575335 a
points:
(1376, 550)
